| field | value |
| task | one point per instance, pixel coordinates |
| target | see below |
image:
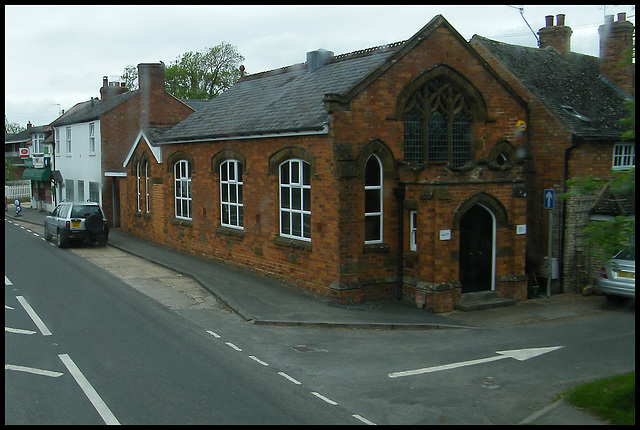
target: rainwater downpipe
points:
(575, 143)
(399, 192)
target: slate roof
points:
(615, 204)
(278, 101)
(571, 89)
(25, 135)
(92, 109)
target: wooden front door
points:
(476, 250)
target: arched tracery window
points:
(438, 124)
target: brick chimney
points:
(111, 89)
(558, 36)
(616, 41)
(152, 89)
(151, 77)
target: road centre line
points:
(93, 396)
(233, 346)
(34, 316)
(364, 420)
(290, 378)
(254, 358)
(320, 396)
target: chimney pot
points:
(548, 21)
(616, 39)
(558, 37)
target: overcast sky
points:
(56, 56)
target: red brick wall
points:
(369, 118)
(338, 264)
(120, 126)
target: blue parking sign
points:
(549, 195)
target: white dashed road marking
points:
(320, 396)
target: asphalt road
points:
(140, 362)
(155, 357)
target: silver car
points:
(77, 221)
(618, 275)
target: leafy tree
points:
(12, 127)
(9, 174)
(130, 77)
(610, 236)
(197, 75)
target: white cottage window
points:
(624, 156)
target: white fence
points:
(17, 189)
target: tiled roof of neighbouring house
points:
(570, 88)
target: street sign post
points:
(549, 197)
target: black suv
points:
(77, 221)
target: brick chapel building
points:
(395, 171)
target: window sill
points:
(145, 215)
(292, 243)
(182, 222)
(375, 247)
(410, 255)
(229, 231)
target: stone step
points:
(481, 300)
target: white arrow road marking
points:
(518, 354)
(7, 282)
(32, 370)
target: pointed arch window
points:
(147, 184)
(373, 200)
(437, 125)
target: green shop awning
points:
(36, 174)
